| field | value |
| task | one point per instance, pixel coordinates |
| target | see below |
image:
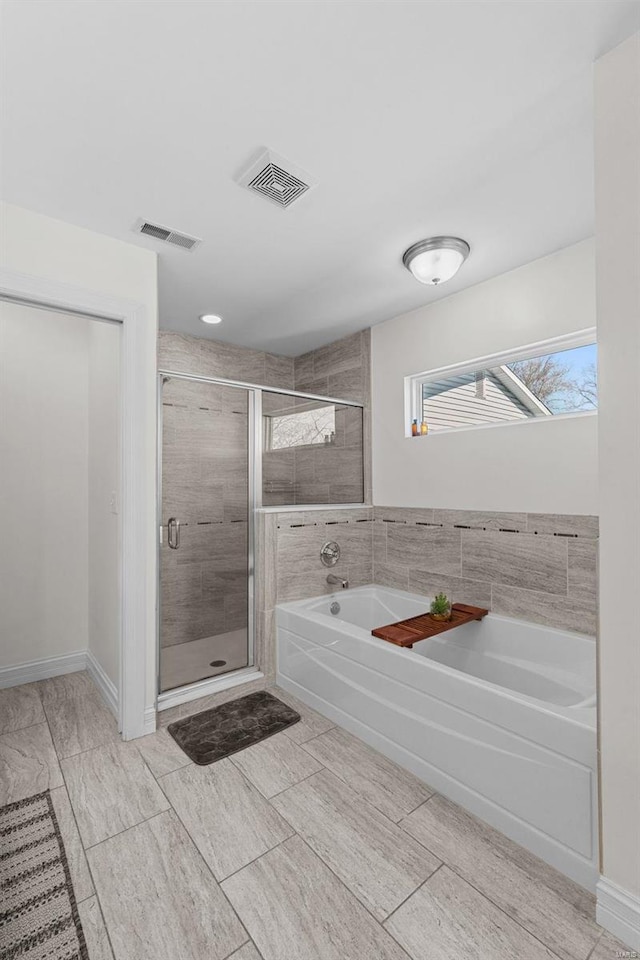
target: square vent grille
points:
(276, 179)
(166, 234)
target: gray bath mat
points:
(39, 916)
(214, 734)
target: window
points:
(534, 382)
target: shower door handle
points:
(173, 533)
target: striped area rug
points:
(38, 913)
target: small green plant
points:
(441, 605)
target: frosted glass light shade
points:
(436, 260)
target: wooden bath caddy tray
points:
(405, 633)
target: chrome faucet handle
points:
(330, 553)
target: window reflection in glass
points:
(312, 451)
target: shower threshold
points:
(204, 688)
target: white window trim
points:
(413, 383)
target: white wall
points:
(43, 484)
(40, 246)
(617, 126)
(59, 449)
(547, 466)
(104, 463)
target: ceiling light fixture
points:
(210, 318)
(436, 260)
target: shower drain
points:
(218, 663)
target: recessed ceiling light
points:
(210, 318)
(436, 260)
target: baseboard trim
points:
(104, 684)
(42, 669)
(618, 911)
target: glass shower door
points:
(206, 509)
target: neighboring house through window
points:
(529, 383)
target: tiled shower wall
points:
(204, 484)
(212, 358)
(536, 567)
(329, 474)
(341, 369)
(319, 473)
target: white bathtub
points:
(499, 715)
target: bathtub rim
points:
(586, 719)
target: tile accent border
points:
(575, 526)
(541, 568)
(299, 538)
(537, 567)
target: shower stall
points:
(225, 450)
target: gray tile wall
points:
(300, 537)
(536, 567)
(322, 473)
(278, 466)
(290, 566)
(212, 358)
(341, 369)
(288, 561)
(540, 568)
(204, 483)
(205, 589)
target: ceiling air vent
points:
(166, 234)
(276, 179)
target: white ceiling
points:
(417, 118)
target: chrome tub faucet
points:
(337, 581)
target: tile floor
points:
(308, 846)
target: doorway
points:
(136, 700)
(60, 494)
